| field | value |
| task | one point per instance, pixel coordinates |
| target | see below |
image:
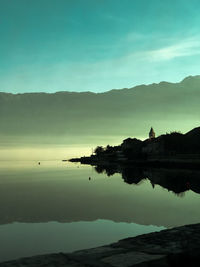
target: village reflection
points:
(69, 193)
(175, 180)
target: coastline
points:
(156, 162)
(178, 246)
(167, 150)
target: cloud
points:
(185, 48)
(133, 63)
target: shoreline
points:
(179, 246)
(156, 162)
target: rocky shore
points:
(173, 247)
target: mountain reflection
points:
(64, 193)
(175, 180)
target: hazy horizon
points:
(77, 74)
(99, 119)
(107, 91)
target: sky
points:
(96, 45)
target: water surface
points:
(54, 207)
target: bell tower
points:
(152, 133)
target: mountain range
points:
(125, 112)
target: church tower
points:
(152, 133)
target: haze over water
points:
(54, 207)
(59, 63)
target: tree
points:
(98, 150)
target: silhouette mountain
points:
(124, 112)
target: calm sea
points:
(62, 207)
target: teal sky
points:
(96, 45)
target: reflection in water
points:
(23, 240)
(72, 201)
(34, 198)
(63, 192)
(178, 181)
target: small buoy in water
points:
(39, 163)
(89, 178)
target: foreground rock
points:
(175, 247)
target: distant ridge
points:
(187, 79)
(124, 112)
